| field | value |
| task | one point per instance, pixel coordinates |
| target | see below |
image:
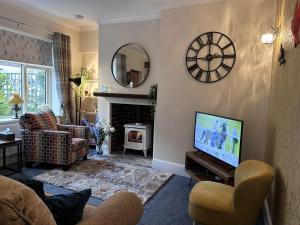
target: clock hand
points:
(195, 58)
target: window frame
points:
(24, 92)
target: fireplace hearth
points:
(129, 114)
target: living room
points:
(259, 88)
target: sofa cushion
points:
(31, 121)
(44, 120)
(67, 209)
(19, 205)
(49, 120)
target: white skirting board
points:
(166, 166)
(266, 214)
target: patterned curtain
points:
(121, 68)
(20, 48)
(62, 66)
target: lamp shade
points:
(15, 99)
(76, 80)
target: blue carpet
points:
(167, 207)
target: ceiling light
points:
(79, 17)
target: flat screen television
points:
(219, 137)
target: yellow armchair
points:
(213, 203)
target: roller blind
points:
(20, 48)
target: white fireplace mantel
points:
(130, 99)
(107, 99)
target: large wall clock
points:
(210, 57)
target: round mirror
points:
(130, 65)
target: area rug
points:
(106, 177)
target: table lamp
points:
(15, 100)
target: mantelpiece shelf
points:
(119, 95)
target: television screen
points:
(219, 137)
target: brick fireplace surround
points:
(123, 114)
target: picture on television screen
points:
(219, 137)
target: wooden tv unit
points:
(201, 166)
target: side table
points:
(4, 145)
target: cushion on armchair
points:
(44, 120)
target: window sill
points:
(6, 121)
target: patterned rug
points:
(106, 177)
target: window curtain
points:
(24, 49)
(62, 67)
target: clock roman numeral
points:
(193, 49)
(200, 42)
(220, 38)
(229, 56)
(218, 75)
(226, 46)
(209, 38)
(208, 78)
(226, 67)
(193, 68)
(199, 74)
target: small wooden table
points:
(201, 167)
(4, 145)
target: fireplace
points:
(138, 137)
(134, 127)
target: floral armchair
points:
(47, 142)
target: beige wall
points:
(243, 94)
(113, 36)
(282, 148)
(89, 41)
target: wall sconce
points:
(269, 38)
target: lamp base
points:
(16, 109)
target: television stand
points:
(201, 166)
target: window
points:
(36, 81)
(31, 82)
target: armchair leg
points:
(65, 167)
(84, 157)
(28, 164)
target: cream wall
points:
(243, 94)
(113, 36)
(89, 41)
(282, 148)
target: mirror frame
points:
(146, 76)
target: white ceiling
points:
(101, 11)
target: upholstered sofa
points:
(19, 205)
(45, 141)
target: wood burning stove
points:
(138, 137)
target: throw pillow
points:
(35, 185)
(67, 209)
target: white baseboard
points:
(169, 167)
(267, 215)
